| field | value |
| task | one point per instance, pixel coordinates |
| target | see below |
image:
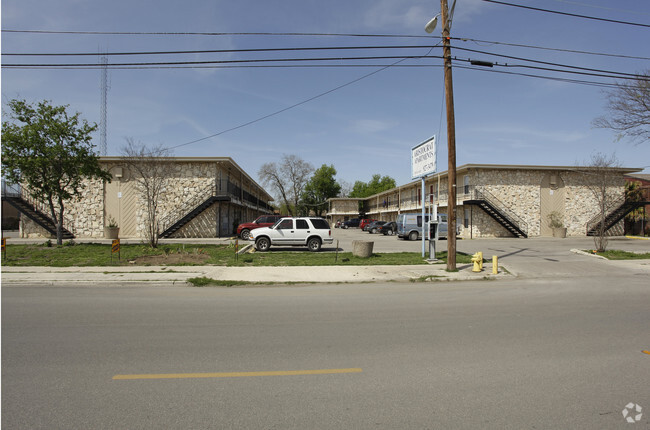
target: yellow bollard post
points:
(495, 265)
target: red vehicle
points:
(365, 222)
(244, 230)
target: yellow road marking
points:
(238, 374)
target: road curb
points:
(590, 254)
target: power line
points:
(171, 63)
(550, 78)
(567, 13)
(571, 51)
(220, 51)
(289, 107)
(602, 7)
(577, 69)
(297, 104)
(320, 48)
(587, 69)
(161, 33)
(298, 66)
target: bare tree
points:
(604, 182)
(629, 106)
(346, 188)
(288, 179)
(152, 170)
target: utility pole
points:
(451, 140)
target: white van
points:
(409, 226)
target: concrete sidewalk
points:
(174, 275)
(529, 258)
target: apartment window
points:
(466, 219)
(466, 184)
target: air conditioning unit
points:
(118, 172)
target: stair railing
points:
(477, 193)
(172, 217)
(610, 206)
(10, 190)
(16, 191)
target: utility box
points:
(433, 238)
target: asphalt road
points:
(538, 353)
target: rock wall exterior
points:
(187, 185)
(516, 190)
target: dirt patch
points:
(171, 259)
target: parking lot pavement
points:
(535, 257)
(506, 245)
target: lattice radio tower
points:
(102, 122)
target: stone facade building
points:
(202, 197)
(524, 196)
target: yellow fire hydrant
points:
(477, 259)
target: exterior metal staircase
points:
(621, 207)
(15, 199)
(498, 211)
(190, 210)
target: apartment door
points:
(552, 196)
(120, 200)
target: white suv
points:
(308, 231)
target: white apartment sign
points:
(423, 159)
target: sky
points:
(357, 115)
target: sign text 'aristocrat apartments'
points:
(423, 159)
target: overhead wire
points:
(556, 67)
(277, 112)
(571, 51)
(602, 7)
(319, 48)
(549, 63)
(575, 15)
(162, 33)
(400, 59)
(221, 51)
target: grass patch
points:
(87, 254)
(615, 254)
(94, 254)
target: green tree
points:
(634, 193)
(376, 185)
(50, 153)
(319, 188)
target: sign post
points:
(424, 163)
(115, 247)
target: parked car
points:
(354, 222)
(311, 232)
(409, 226)
(388, 229)
(244, 230)
(364, 222)
(374, 226)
